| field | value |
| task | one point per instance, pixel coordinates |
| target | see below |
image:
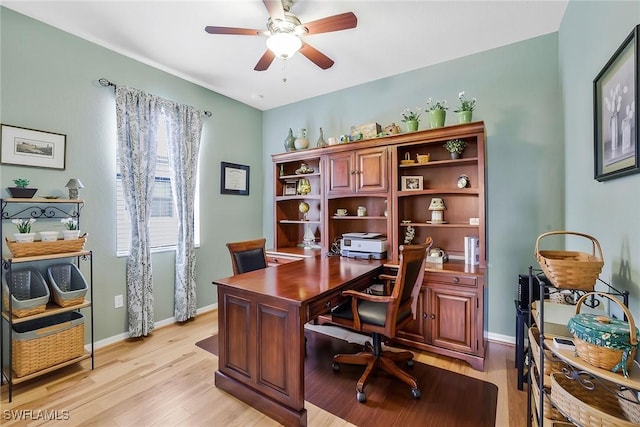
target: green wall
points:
(49, 82)
(517, 87)
(535, 98)
(590, 34)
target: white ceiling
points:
(392, 37)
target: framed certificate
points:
(234, 179)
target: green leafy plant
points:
(410, 115)
(436, 105)
(465, 104)
(455, 146)
(70, 223)
(21, 182)
(23, 224)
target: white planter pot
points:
(49, 236)
(70, 234)
(24, 237)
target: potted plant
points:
(437, 112)
(21, 190)
(411, 118)
(455, 147)
(24, 233)
(71, 228)
(465, 110)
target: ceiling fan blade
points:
(265, 61)
(232, 31)
(343, 21)
(315, 56)
(275, 9)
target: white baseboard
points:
(504, 339)
(123, 336)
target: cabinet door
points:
(452, 314)
(372, 170)
(416, 329)
(341, 173)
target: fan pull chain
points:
(284, 75)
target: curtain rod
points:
(106, 83)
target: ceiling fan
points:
(285, 32)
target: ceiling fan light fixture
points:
(284, 45)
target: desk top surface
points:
(302, 280)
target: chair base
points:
(374, 357)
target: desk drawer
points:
(451, 279)
(324, 305)
(273, 260)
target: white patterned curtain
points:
(184, 128)
(137, 118)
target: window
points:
(164, 220)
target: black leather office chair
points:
(248, 255)
(383, 316)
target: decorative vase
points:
(70, 234)
(321, 142)
(24, 237)
(289, 142)
(464, 116)
(455, 155)
(301, 142)
(436, 118)
(412, 125)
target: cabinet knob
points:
(327, 304)
(425, 315)
(433, 316)
(355, 172)
(456, 280)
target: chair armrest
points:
(367, 297)
(386, 277)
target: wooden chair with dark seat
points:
(382, 316)
(248, 255)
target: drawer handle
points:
(275, 260)
(456, 280)
(327, 304)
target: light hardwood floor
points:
(165, 380)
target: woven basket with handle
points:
(37, 248)
(571, 269)
(605, 347)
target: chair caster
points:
(410, 363)
(361, 396)
(415, 393)
(335, 366)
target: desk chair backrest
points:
(406, 288)
(248, 255)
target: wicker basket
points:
(598, 407)
(25, 249)
(630, 405)
(41, 343)
(549, 412)
(29, 292)
(551, 363)
(67, 284)
(570, 269)
(606, 357)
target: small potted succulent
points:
(24, 233)
(20, 190)
(455, 147)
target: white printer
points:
(363, 245)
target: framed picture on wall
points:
(30, 147)
(615, 99)
(234, 179)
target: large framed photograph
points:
(234, 179)
(30, 147)
(412, 183)
(615, 98)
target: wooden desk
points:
(261, 317)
